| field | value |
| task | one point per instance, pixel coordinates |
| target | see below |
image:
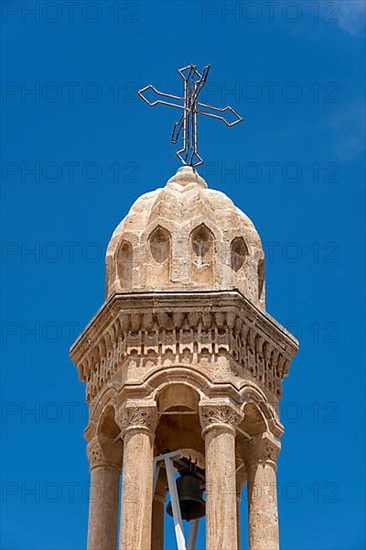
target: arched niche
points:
(202, 255)
(125, 265)
(254, 422)
(238, 253)
(179, 425)
(160, 251)
(107, 426)
(177, 395)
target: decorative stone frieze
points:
(163, 332)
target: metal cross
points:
(193, 83)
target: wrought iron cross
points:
(193, 83)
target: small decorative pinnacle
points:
(186, 175)
(193, 84)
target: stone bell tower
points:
(183, 356)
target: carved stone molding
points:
(219, 414)
(263, 449)
(167, 332)
(138, 415)
(104, 452)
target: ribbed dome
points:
(185, 236)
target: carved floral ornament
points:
(136, 416)
(219, 414)
(104, 454)
(94, 452)
(264, 449)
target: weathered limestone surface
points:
(186, 236)
(138, 423)
(219, 420)
(262, 493)
(183, 356)
(105, 469)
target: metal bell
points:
(192, 506)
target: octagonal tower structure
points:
(183, 356)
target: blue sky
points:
(81, 147)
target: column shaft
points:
(103, 508)
(158, 512)
(262, 503)
(241, 477)
(157, 535)
(136, 509)
(238, 499)
(221, 504)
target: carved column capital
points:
(140, 415)
(219, 414)
(102, 451)
(263, 449)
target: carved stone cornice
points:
(263, 449)
(138, 416)
(104, 452)
(179, 328)
(219, 414)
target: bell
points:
(192, 506)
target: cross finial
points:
(193, 83)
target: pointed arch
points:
(125, 265)
(160, 250)
(107, 425)
(202, 254)
(238, 253)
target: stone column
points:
(158, 512)
(137, 421)
(219, 420)
(241, 478)
(262, 493)
(105, 460)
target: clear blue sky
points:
(295, 71)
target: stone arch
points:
(180, 374)
(254, 422)
(202, 255)
(254, 396)
(107, 426)
(177, 395)
(179, 426)
(105, 398)
(125, 265)
(238, 253)
(160, 253)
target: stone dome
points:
(185, 236)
